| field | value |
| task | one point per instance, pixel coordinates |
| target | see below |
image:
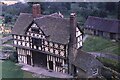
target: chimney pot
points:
(72, 14)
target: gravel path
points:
(105, 55)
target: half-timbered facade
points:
(43, 40)
(48, 41)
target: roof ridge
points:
(49, 16)
(26, 13)
(103, 18)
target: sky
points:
(9, 2)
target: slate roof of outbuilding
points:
(86, 61)
(107, 25)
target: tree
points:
(8, 18)
(111, 7)
(118, 10)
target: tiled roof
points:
(23, 21)
(102, 24)
(86, 61)
(54, 26)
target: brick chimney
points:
(72, 47)
(36, 10)
(73, 24)
(72, 42)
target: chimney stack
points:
(36, 10)
(73, 24)
(72, 46)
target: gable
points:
(26, 19)
(78, 37)
(35, 31)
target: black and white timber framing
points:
(52, 42)
(32, 44)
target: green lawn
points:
(115, 65)
(99, 44)
(112, 62)
(0, 21)
(10, 70)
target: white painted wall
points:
(79, 38)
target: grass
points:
(115, 65)
(109, 61)
(0, 21)
(99, 44)
(10, 70)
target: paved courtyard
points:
(42, 71)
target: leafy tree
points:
(101, 5)
(84, 5)
(118, 10)
(8, 18)
(110, 6)
(103, 13)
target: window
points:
(35, 30)
(36, 41)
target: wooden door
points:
(28, 59)
(112, 35)
(51, 65)
(39, 59)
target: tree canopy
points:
(84, 9)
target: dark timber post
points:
(72, 48)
